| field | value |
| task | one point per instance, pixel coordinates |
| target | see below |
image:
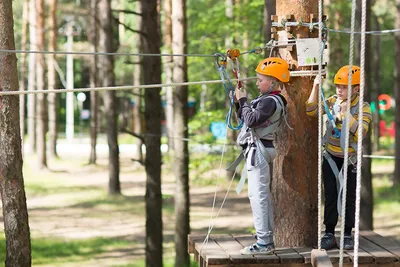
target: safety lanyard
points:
(229, 89)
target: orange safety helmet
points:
(342, 76)
(275, 67)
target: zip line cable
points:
(102, 53)
(146, 86)
(255, 50)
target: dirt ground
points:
(70, 214)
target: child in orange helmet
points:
(262, 117)
(334, 141)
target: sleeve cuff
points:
(242, 101)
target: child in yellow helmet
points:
(332, 167)
(262, 118)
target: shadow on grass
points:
(47, 251)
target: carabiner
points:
(220, 63)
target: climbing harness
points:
(226, 81)
(251, 137)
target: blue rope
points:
(336, 133)
(230, 90)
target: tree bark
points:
(15, 213)
(41, 104)
(231, 135)
(294, 182)
(152, 75)
(32, 79)
(376, 87)
(367, 202)
(168, 71)
(51, 74)
(269, 10)
(108, 79)
(94, 96)
(138, 80)
(22, 68)
(396, 179)
(181, 151)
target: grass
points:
(58, 251)
(93, 202)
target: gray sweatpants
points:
(258, 173)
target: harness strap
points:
(267, 130)
(339, 176)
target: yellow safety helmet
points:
(342, 76)
(275, 67)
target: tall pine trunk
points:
(366, 218)
(51, 75)
(376, 86)
(138, 80)
(41, 104)
(152, 75)
(15, 213)
(230, 44)
(269, 10)
(168, 70)
(108, 79)
(181, 151)
(294, 179)
(32, 78)
(22, 68)
(396, 179)
(94, 96)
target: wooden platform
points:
(224, 250)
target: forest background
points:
(112, 183)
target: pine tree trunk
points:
(51, 74)
(41, 104)
(32, 79)
(94, 96)
(22, 68)
(108, 79)
(269, 10)
(245, 43)
(294, 181)
(181, 151)
(229, 44)
(168, 72)
(367, 203)
(376, 87)
(152, 75)
(15, 213)
(138, 80)
(396, 180)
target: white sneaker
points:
(257, 249)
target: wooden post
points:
(294, 183)
(319, 258)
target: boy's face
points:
(342, 90)
(264, 83)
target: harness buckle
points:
(353, 160)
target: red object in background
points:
(386, 131)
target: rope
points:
(127, 87)
(360, 132)
(102, 53)
(212, 220)
(347, 133)
(321, 47)
(315, 25)
(146, 86)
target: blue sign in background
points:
(218, 129)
